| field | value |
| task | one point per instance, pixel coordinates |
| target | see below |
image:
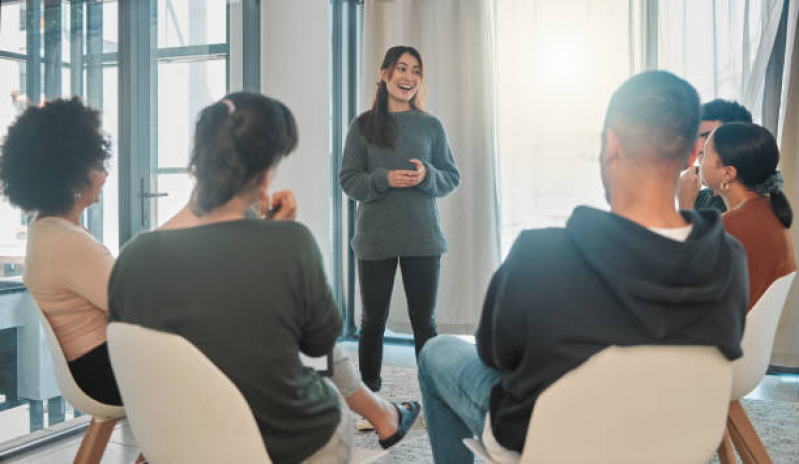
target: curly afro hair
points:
(48, 154)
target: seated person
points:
(740, 165)
(53, 165)
(690, 194)
(251, 294)
(641, 274)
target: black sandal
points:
(408, 412)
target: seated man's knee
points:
(435, 354)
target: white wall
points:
(295, 50)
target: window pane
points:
(178, 186)
(183, 90)
(12, 23)
(182, 23)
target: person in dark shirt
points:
(641, 274)
(690, 194)
(252, 294)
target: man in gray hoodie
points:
(643, 273)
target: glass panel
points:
(183, 90)
(182, 23)
(190, 77)
(29, 397)
(12, 23)
(179, 187)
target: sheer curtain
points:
(453, 37)
(721, 47)
(557, 64)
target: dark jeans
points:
(92, 372)
(420, 278)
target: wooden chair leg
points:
(726, 453)
(743, 434)
(94, 442)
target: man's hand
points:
(688, 187)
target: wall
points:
(295, 55)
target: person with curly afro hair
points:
(53, 165)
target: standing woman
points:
(396, 162)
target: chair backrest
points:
(66, 383)
(181, 407)
(758, 340)
(653, 404)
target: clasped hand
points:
(404, 178)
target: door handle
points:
(143, 197)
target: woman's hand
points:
(407, 178)
(402, 178)
(421, 171)
(283, 206)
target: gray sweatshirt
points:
(393, 222)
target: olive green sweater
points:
(249, 294)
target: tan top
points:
(67, 272)
(769, 246)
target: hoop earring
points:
(725, 186)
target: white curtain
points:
(453, 37)
(721, 47)
(557, 64)
(786, 344)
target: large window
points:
(55, 48)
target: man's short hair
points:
(655, 114)
(725, 111)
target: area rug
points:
(777, 423)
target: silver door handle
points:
(144, 196)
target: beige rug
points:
(777, 423)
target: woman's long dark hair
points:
(237, 139)
(377, 125)
(752, 150)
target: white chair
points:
(748, 372)
(104, 416)
(653, 404)
(181, 407)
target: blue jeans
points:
(455, 386)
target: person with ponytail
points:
(396, 163)
(740, 165)
(251, 293)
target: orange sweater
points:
(769, 246)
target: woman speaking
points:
(396, 162)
